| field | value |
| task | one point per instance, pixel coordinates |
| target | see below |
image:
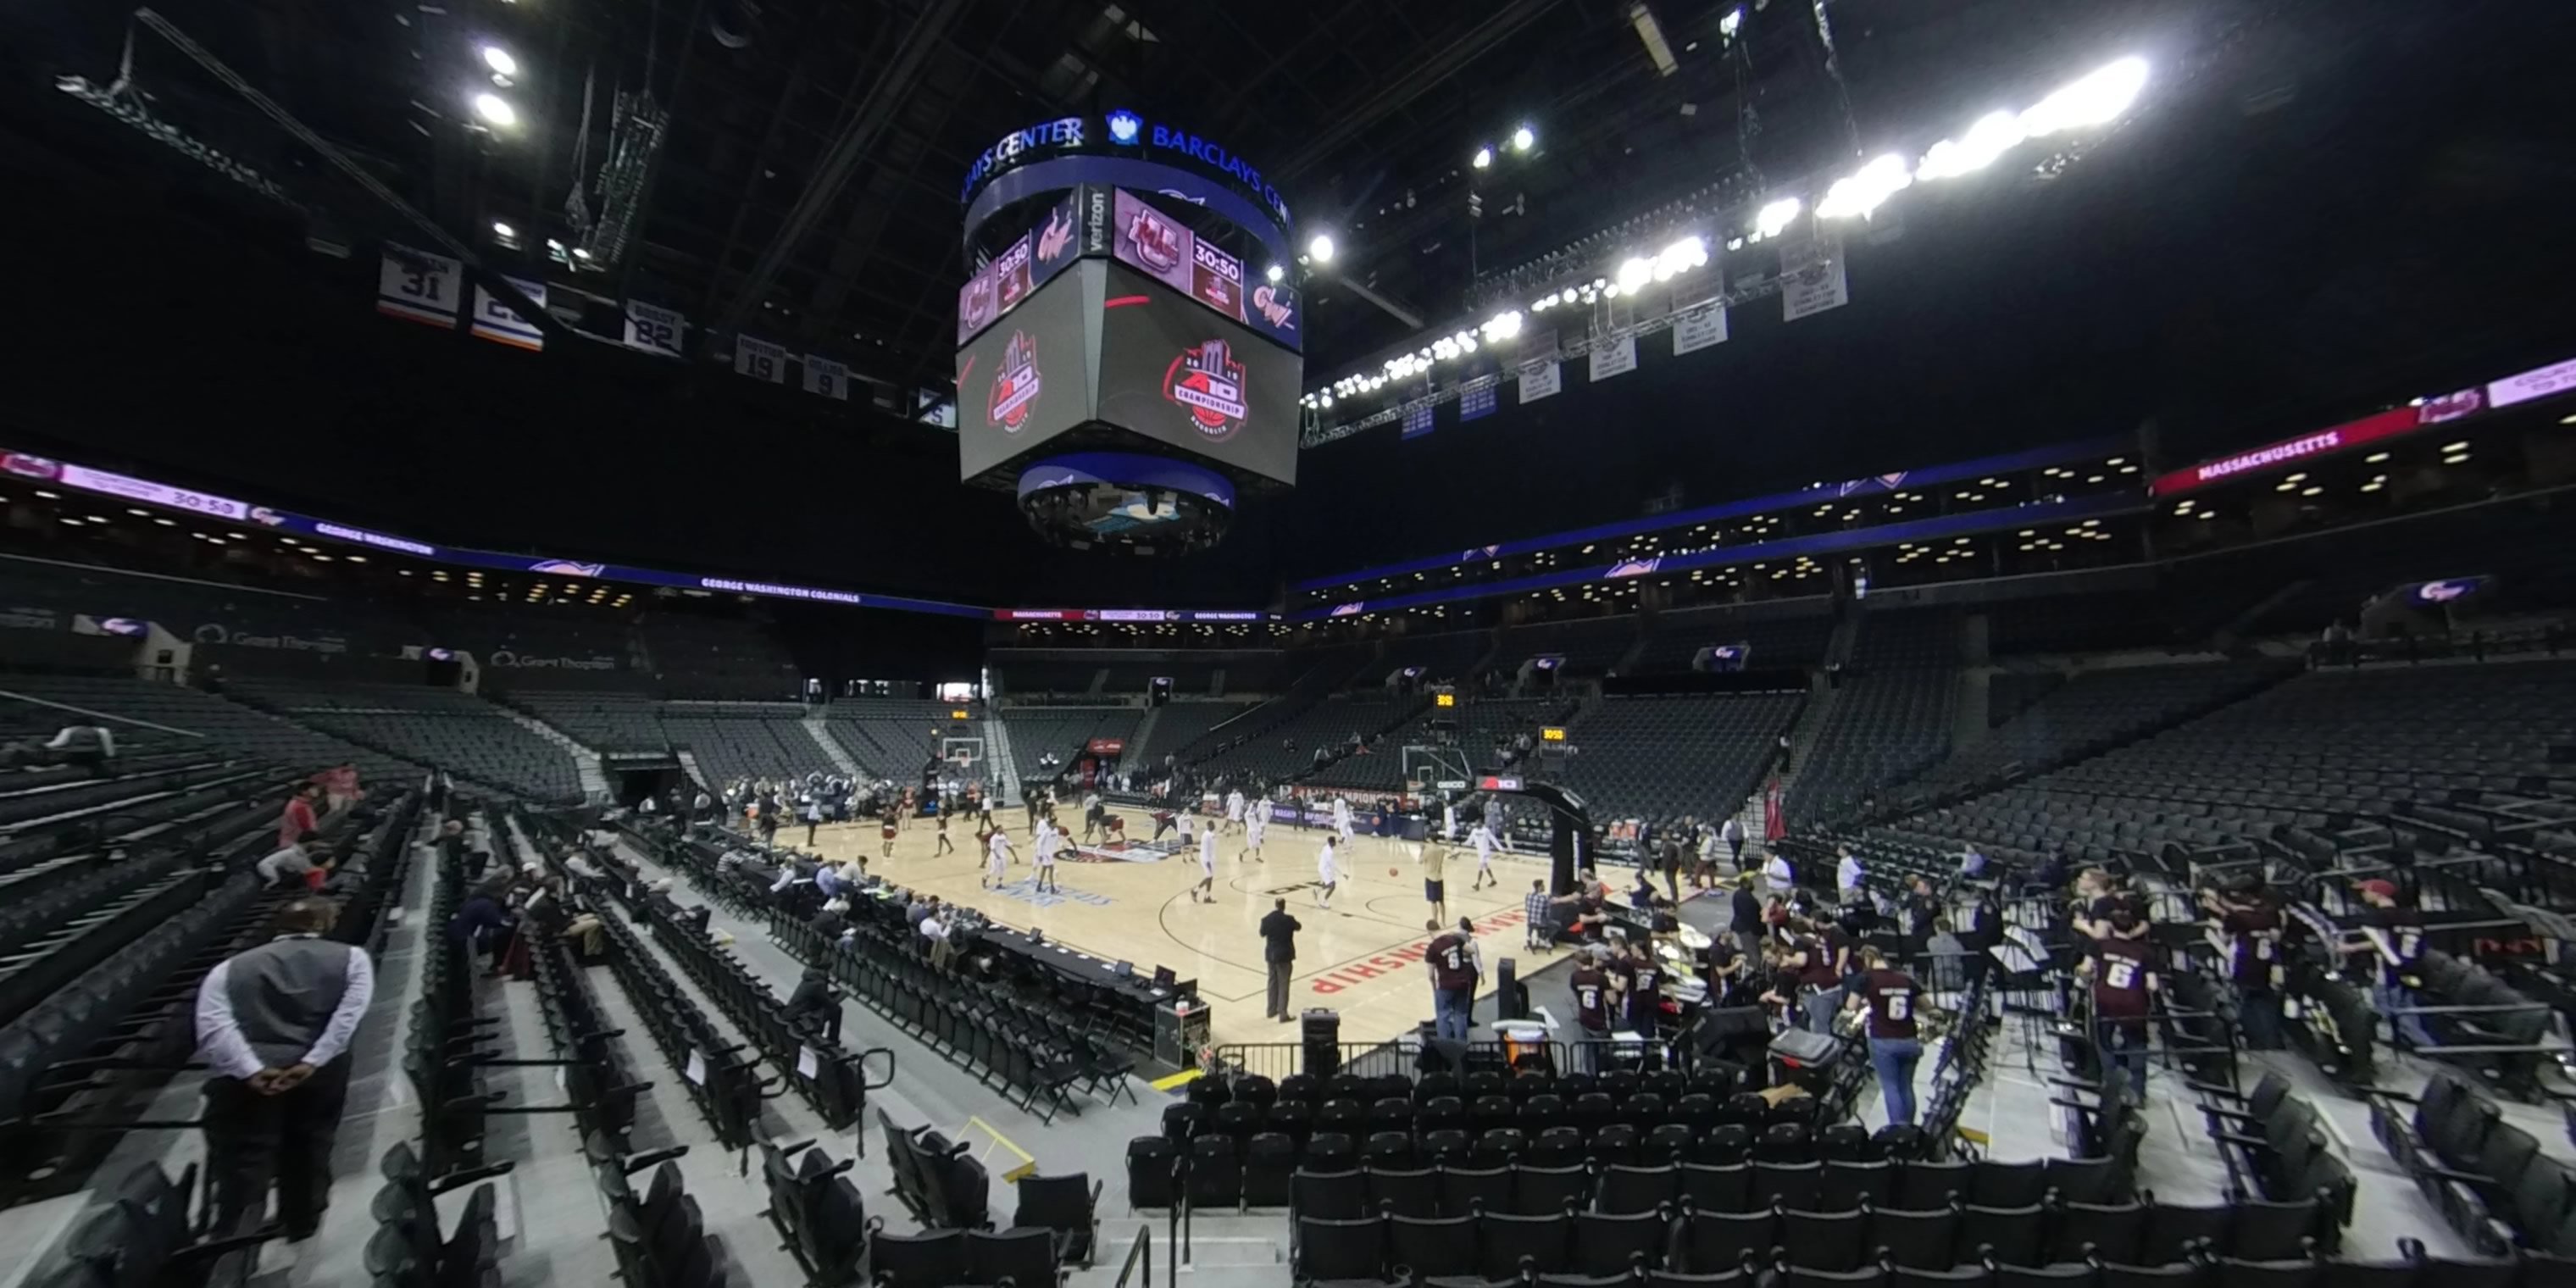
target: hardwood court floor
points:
(1362, 958)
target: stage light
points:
(500, 229)
(500, 61)
(1634, 273)
(1523, 139)
(1775, 216)
(1327, 400)
(580, 253)
(495, 109)
(1731, 23)
(1320, 248)
(1994, 134)
(2098, 99)
(1503, 326)
(1866, 189)
(1484, 157)
(1274, 272)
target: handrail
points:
(1140, 1250)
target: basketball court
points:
(1362, 957)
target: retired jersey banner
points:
(1540, 380)
(1811, 276)
(1616, 358)
(418, 286)
(759, 359)
(655, 329)
(1698, 329)
(496, 322)
(1418, 420)
(827, 377)
(1477, 401)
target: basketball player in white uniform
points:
(1342, 819)
(1255, 824)
(997, 856)
(1483, 839)
(1207, 866)
(1049, 841)
(1234, 810)
(1328, 873)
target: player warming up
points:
(1254, 825)
(1328, 873)
(1483, 839)
(1049, 841)
(997, 856)
(1342, 820)
(1205, 890)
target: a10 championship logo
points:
(1015, 385)
(1208, 382)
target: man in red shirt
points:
(1895, 1047)
(299, 817)
(2124, 988)
(2248, 936)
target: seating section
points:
(1906, 639)
(1661, 758)
(2009, 693)
(2320, 748)
(1783, 633)
(1062, 732)
(1482, 724)
(1286, 748)
(232, 726)
(608, 722)
(1180, 726)
(700, 657)
(2494, 1183)
(1590, 647)
(2097, 623)
(1445, 656)
(754, 740)
(468, 736)
(1881, 729)
(2092, 712)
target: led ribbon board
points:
(1122, 148)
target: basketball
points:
(1394, 871)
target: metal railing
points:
(1140, 1252)
(1377, 1059)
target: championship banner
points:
(1417, 420)
(1811, 276)
(1477, 402)
(1698, 329)
(418, 286)
(759, 359)
(654, 329)
(1614, 359)
(1540, 380)
(827, 377)
(494, 320)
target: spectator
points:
(287, 865)
(1538, 911)
(1847, 873)
(299, 819)
(1890, 997)
(1454, 965)
(815, 1006)
(272, 1023)
(1747, 918)
(1779, 875)
(2393, 936)
(88, 746)
(2124, 985)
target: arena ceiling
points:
(2337, 199)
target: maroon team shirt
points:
(1591, 999)
(1450, 965)
(1892, 996)
(2255, 945)
(2122, 979)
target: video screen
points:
(1176, 372)
(1026, 379)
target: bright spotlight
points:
(500, 229)
(495, 110)
(1523, 139)
(1994, 134)
(500, 61)
(1274, 272)
(1484, 157)
(580, 253)
(2098, 99)
(1865, 190)
(1635, 272)
(1320, 248)
(1775, 217)
(1503, 326)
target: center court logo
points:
(1015, 385)
(1209, 383)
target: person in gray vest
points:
(273, 1024)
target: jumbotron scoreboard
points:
(1128, 347)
